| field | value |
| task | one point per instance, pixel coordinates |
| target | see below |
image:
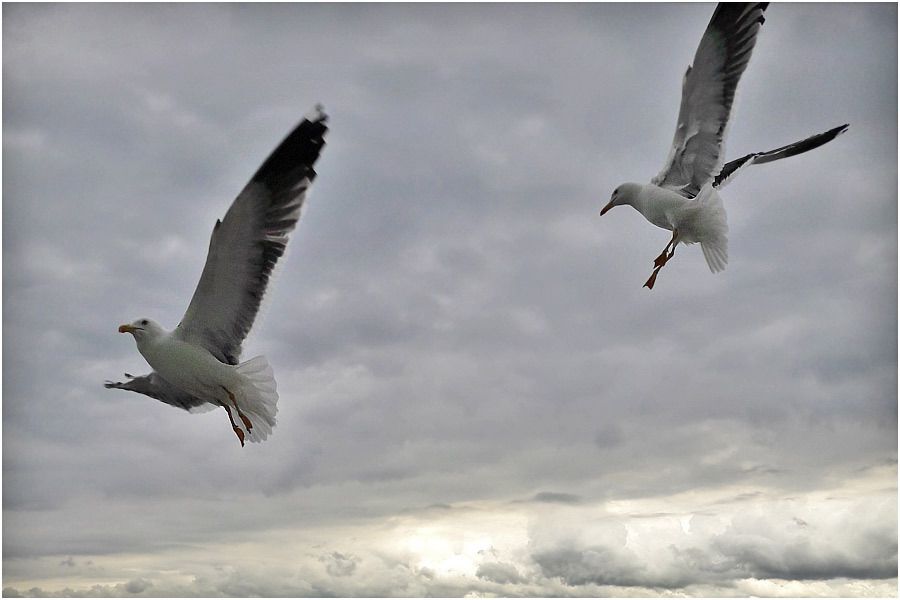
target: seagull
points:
(684, 196)
(195, 366)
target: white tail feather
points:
(716, 256)
(257, 398)
(714, 227)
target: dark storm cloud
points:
(453, 323)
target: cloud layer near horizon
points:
(476, 394)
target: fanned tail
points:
(715, 227)
(258, 397)
(716, 256)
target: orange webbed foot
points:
(246, 421)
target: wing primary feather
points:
(294, 157)
(760, 158)
(802, 146)
(247, 243)
(708, 91)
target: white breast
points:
(660, 206)
(189, 367)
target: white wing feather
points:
(247, 243)
(707, 95)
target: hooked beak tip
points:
(125, 328)
(606, 209)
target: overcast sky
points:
(477, 395)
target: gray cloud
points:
(499, 572)
(586, 551)
(453, 325)
(339, 565)
(598, 565)
(556, 498)
(133, 588)
(754, 544)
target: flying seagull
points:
(195, 366)
(684, 197)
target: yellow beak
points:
(126, 329)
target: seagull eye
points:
(144, 322)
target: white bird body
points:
(664, 208)
(683, 197)
(700, 219)
(196, 365)
(191, 368)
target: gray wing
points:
(759, 158)
(247, 243)
(156, 387)
(707, 95)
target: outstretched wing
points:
(707, 94)
(758, 158)
(156, 387)
(247, 243)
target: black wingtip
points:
(830, 134)
(317, 114)
(762, 6)
(294, 158)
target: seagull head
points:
(141, 329)
(626, 193)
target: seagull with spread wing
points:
(684, 197)
(195, 366)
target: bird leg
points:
(237, 430)
(243, 417)
(663, 258)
